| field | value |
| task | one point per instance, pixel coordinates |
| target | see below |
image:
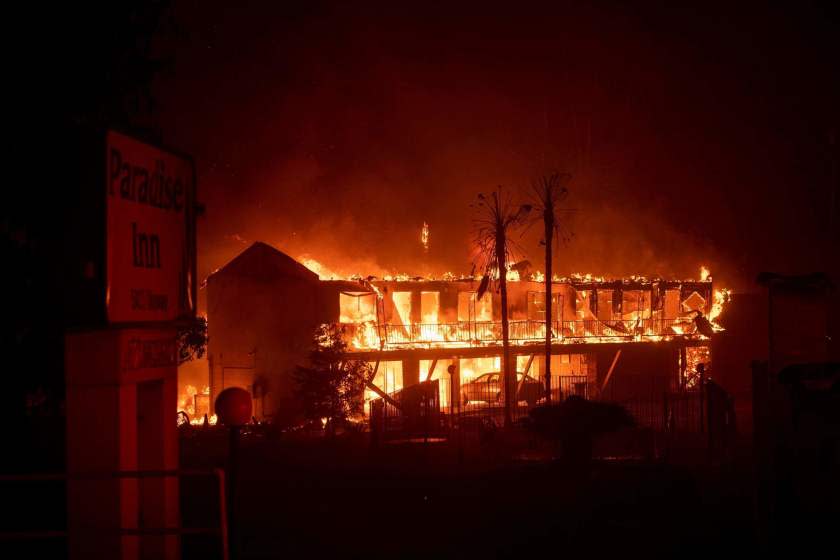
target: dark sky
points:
(694, 135)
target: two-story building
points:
(264, 306)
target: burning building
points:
(263, 307)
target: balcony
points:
(368, 336)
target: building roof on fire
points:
(264, 261)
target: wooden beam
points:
(524, 373)
(610, 372)
(431, 369)
(379, 391)
(384, 395)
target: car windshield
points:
(494, 377)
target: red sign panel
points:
(150, 247)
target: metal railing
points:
(476, 333)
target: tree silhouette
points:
(192, 339)
(331, 386)
(549, 192)
(496, 218)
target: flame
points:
(200, 421)
(424, 237)
(187, 402)
(322, 271)
(721, 297)
(588, 277)
(638, 322)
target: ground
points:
(329, 499)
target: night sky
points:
(693, 135)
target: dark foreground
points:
(501, 498)
(340, 499)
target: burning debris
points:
(195, 405)
(589, 308)
(448, 331)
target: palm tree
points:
(496, 217)
(548, 192)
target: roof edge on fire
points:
(264, 261)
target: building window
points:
(429, 307)
(402, 308)
(472, 309)
(357, 307)
(536, 306)
(635, 304)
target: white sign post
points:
(122, 380)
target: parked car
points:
(488, 388)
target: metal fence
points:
(416, 411)
(410, 412)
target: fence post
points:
(701, 371)
(223, 513)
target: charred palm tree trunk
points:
(548, 216)
(508, 382)
(495, 219)
(548, 192)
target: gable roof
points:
(261, 260)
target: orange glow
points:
(633, 319)
(322, 271)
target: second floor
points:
(399, 313)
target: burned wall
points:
(259, 330)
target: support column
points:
(455, 384)
(410, 371)
(121, 402)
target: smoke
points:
(335, 133)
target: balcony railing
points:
(479, 333)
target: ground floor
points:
(470, 379)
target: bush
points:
(575, 422)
